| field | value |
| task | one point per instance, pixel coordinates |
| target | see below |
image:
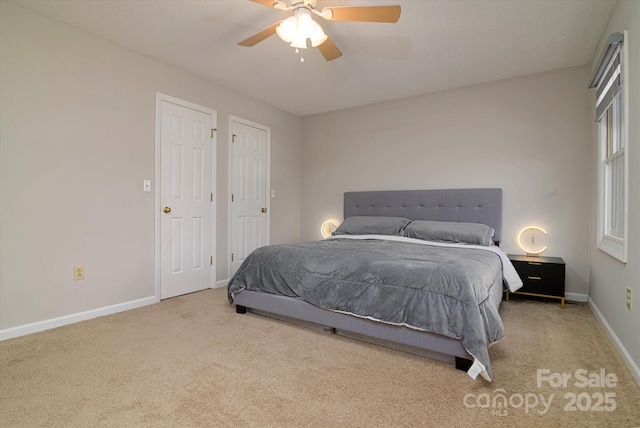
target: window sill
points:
(614, 247)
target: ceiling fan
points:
(300, 26)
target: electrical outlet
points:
(629, 298)
(78, 273)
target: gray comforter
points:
(445, 290)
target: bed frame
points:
(465, 205)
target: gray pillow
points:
(443, 231)
(369, 225)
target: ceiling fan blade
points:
(362, 13)
(329, 50)
(270, 3)
(258, 37)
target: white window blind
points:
(607, 77)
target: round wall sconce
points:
(532, 240)
(328, 227)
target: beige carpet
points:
(192, 361)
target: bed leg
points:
(241, 309)
(463, 364)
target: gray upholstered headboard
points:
(467, 205)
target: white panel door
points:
(185, 197)
(249, 191)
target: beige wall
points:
(528, 136)
(608, 278)
(77, 137)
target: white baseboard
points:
(576, 297)
(220, 284)
(22, 330)
(633, 367)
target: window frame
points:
(615, 246)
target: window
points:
(612, 138)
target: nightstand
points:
(541, 276)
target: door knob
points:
(264, 210)
(166, 210)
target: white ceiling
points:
(436, 44)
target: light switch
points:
(273, 193)
(147, 185)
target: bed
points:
(368, 280)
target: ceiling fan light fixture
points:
(287, 29)
(298, 42)
(318, 36)
(296, 29)
(305, 22)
